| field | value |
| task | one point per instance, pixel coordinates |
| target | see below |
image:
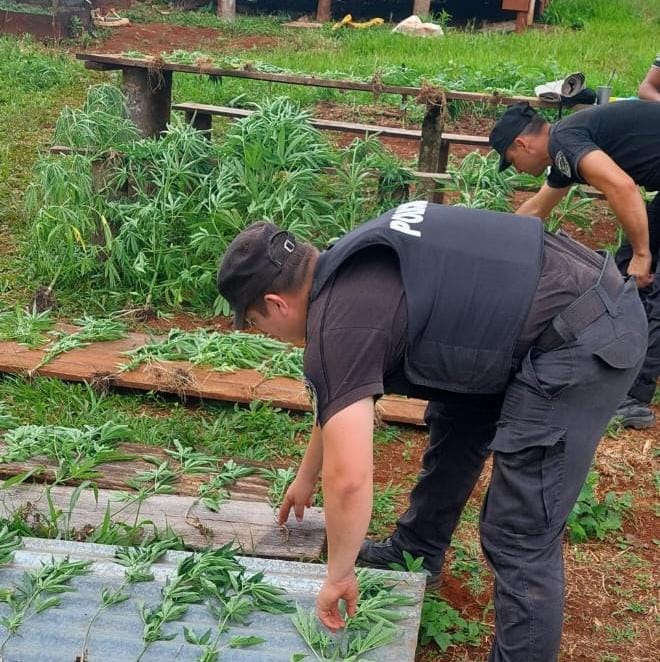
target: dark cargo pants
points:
(644, 386)
(544, 431)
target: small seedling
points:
(214, 493)
(410, 563)
(592, 518)
(443, 625)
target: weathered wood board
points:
(114, 475)
(251, 524)
(100, 363)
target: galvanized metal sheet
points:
(57, 634)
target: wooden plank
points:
(115, 475)
(149, 63)
(251, 525)
(333, 125)
(100, 362)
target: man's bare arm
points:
(649, 88)
(543, 202)
(623, 195)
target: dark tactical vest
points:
(469, 277)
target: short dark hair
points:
(292, 276)
(534, 127)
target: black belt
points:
(600, 298)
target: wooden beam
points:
(324, 11)
(115, 475)
(333, 125)
(227, 9)
(99, 363)
(313, 81)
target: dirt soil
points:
(611, 586)
(155, 38)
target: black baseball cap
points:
(250, 264)
(509, 127)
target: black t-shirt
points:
(627, 131)
(356, 327)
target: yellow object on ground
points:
(348, 21)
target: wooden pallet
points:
(100, 363)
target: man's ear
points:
(277, 303)
(519, 142)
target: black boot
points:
(384, 554)
(635, 414)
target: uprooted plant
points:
(91, 330)
(37, 591)
(225, 352)
(372, 626)
(137, 561)
(217, 578)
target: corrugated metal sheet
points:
(56, 635)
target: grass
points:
(35, 83)
(614, 35)
(258, 432)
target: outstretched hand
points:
(327, 601)
(298, 496)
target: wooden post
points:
(148, 98)
(227, 9)
(530, 13)
(521, 21)
(324, 11)
(422, 7)
(433, 150)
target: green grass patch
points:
(444, 626)
(258, 432)
(614, 35)
(592, 517)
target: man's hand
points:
(640, 268)
(327, 601)
(298, 496)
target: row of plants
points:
(224, 352)
(612, 31)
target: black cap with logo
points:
(509, 127)
(252, 261)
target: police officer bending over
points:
(615, 148)
(523, 343)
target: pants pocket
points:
(526, 489)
